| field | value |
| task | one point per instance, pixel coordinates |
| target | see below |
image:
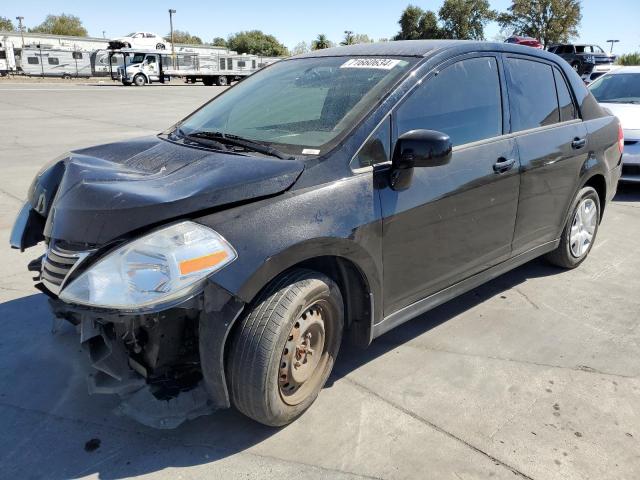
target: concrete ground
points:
(534, 375)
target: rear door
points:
(457, 219)
(552, 143)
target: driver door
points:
(453, 220)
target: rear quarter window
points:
(567, 107)
(532, 94)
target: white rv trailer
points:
(141, 67)
(37, 62)
(7, 59)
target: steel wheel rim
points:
(304, 355)
(583, 227)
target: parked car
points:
(146, 40)
(589, 61)
(334, 194)
(619, 91)
(527, 41)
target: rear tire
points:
(579, 233)
(160, 46)
(284, 348)
(139, 80)
(222, 81)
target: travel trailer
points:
(7, 59)
(55, 63)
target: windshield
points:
(137, 58)
(617, 88)
(304, 106)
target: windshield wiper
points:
(235, 140)
(200, 140)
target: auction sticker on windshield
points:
(379, 63)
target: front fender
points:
(339, 219)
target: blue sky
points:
(292, 21)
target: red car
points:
(528, 41)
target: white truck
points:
(142, 67)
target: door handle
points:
(503, 164)
(578, 143)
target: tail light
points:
(620, 139)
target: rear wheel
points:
(283, 350)
(160, 46)
(579, 233)
(222, 81)
(139, 80)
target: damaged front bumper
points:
(167, 366)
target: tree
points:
(550, 21)
(428, 26)
(321, 42)
(6, 25)
(629, 59)
(256, 43)
(410, 23)
(348, 38)
(180, 36)
(465, 19)
(300, 48)
(219, 42)
(62, 24)
(416, 24)
(361, 38)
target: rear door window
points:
(532, 94)
(463, 100)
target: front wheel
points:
(580, 231)
(222, 81)
(139, 80)
(160, 46)
(282, 352)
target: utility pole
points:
(103, 33)
(612, 42)
(173, 50)
(20, 19)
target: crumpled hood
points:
(99, 194)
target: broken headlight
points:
(159, 268)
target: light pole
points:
(103, 33)
(20, 19)
(173, 51)
(612, 42)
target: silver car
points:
(619, 91)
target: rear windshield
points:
(301, 104)
(617, 88)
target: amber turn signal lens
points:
(201, 263)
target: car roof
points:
(416, 48)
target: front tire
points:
(284, 348)
(160, 46)
(579, 233)
(139, 80)
(222, 81)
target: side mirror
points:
(422, 148)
